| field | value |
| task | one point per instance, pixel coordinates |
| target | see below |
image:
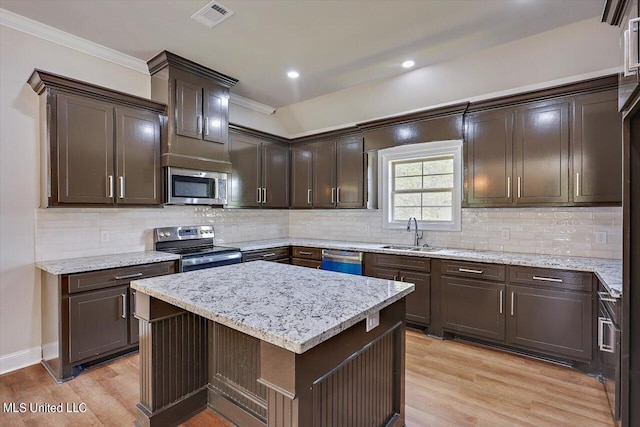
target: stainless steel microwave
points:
(192, 187)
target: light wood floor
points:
(448, 383)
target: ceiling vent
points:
(212, 14)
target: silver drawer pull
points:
(305, 253)
(547, 279)
(268, 255)
(604, 296)
(608, 348)
(124, 306)
(468, 270)
(128, 276)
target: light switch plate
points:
(601, 237)
(104, 236)
(373, 320)
(504, 233)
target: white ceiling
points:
(333, 44)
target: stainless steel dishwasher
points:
(343, 261)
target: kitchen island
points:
(268, 344)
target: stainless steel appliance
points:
(342, 261)
(191, 187)
(609, 346)
(195, 246)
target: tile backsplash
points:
(74, 232)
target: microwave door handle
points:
(215, 188)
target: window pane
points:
(437, 214)
(438, 166)
(408, 169)
(440, 198)
(408, 183)
(438, 181)
(406, 213)
(407, 199)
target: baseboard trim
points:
(20, 359)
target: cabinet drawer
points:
(306, 263)
(117, 276)
(612, 304)
(399, 262)
(569, 280)
(307, 253)
(266, 254)
(474, 269)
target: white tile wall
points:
(552, 231)
(68, 233)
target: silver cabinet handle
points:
(199, 125)
(547, 279)
(577, 184)
(608, 348)
(508, 187)
(468, 270)
(338, 195)
(395, 277)
(634, 61)
(110, 186)
(134, 293)
(121, 182)
(268, 255)
(308, 196)
(206, 126)
(128, 276)
(264, 195)
(259, 190)
(604, 296)
(402, 278)
(626, 70)
(333, 194)
(305, 253)
(124, 306)
(501, 301)
(519, 192)
(512, 303)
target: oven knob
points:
(162, 234)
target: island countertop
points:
(292, 307)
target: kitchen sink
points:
(410, 248)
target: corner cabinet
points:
(100, 147)
(260, 172)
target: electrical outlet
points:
(601, 237)
(373, 320)
(104, 236)
(504, 233)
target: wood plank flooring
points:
(448, 383)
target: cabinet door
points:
(275, 175)
(542, 154)
(324, 175)
(350, 173)
(628, 82)
(490, 158)
(418, 301)
(188, 109)
(138, 157)
(473, 307)
(245, 171)
(216, 113)
(597, 149)
(84, 164)
(98, 322)
(134, 324)
(551, 321)
(301, 177)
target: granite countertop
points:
(292, 307)
(103, 262)
(609, 271)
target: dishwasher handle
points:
(342, 256)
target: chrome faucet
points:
(418, 236)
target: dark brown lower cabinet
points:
(281, 255)
(473, 307)
(98, 322)
(306, 257)
(550, 321)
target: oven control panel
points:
(168, 234)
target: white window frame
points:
(417, 151)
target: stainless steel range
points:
(195, 246)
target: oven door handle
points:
(209, 259)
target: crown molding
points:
(251, 104)
(168, 59)
(54, 35)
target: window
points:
(422, 181)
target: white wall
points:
(565, 54)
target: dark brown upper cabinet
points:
(260, 172)
(542, 154)
(328, 174)
(596, 149)
(198, 104)
(101, 147)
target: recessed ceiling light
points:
(293, 74)
(408, 64)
